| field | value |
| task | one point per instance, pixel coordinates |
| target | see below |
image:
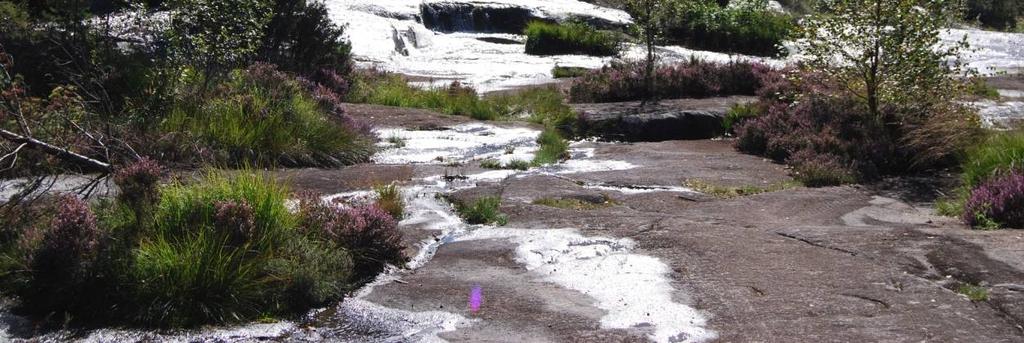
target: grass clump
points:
(726, 192)
(486, 210)
(541, 105)
(738, 114)
(553, 148)
(992, 189)
(263, 116)
(998, 155)
(567, 39)
(372, 87)
(389, 199)
(972, 292)
(559, 72)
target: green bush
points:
(263, 116)
(486, 210)
(747, 28)
(566, 39)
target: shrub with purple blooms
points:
(997, 203)
(693, 79)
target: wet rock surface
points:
(661, 121)
(658, 262)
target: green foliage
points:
(647, 17)
(491, 164)
(559, 72)
(215, 36)
(389, 199)
(553, 148)
(301, 38)
(997, 14)
(979, 88)
(738, 114)
(262, 116)
(998, 155)
(884, 52)
(572, 38)
(747, 27)
(486, 210)
(974, 293)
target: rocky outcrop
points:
(512, 16)
(666, 120)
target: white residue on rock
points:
(634, 289)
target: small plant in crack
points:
(975, 293)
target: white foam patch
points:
(634, 289)
(640, 189)
(992, 51)
(392, 325)
(1001, 115)
(461, 143)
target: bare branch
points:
(59, 152)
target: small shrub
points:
(573, 38)
(998, 202)
(566, 72)
(693, 79)
(486, 210)
(553, 148)
(389, 199)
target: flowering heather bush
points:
(693, 79)
(71, 241)
(368, 232)
(997, 202)
(237, 218)
(139, 181)
(828, 139)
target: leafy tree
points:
(647, 17)
(302, 38)
(999, 14)
(885, 51)
(215, 36)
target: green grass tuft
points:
(389, 199)
(486, 210)
(553, 148)
(998, 155)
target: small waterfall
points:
(464, 17)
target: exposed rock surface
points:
(665, 120)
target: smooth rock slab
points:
(666, 120)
